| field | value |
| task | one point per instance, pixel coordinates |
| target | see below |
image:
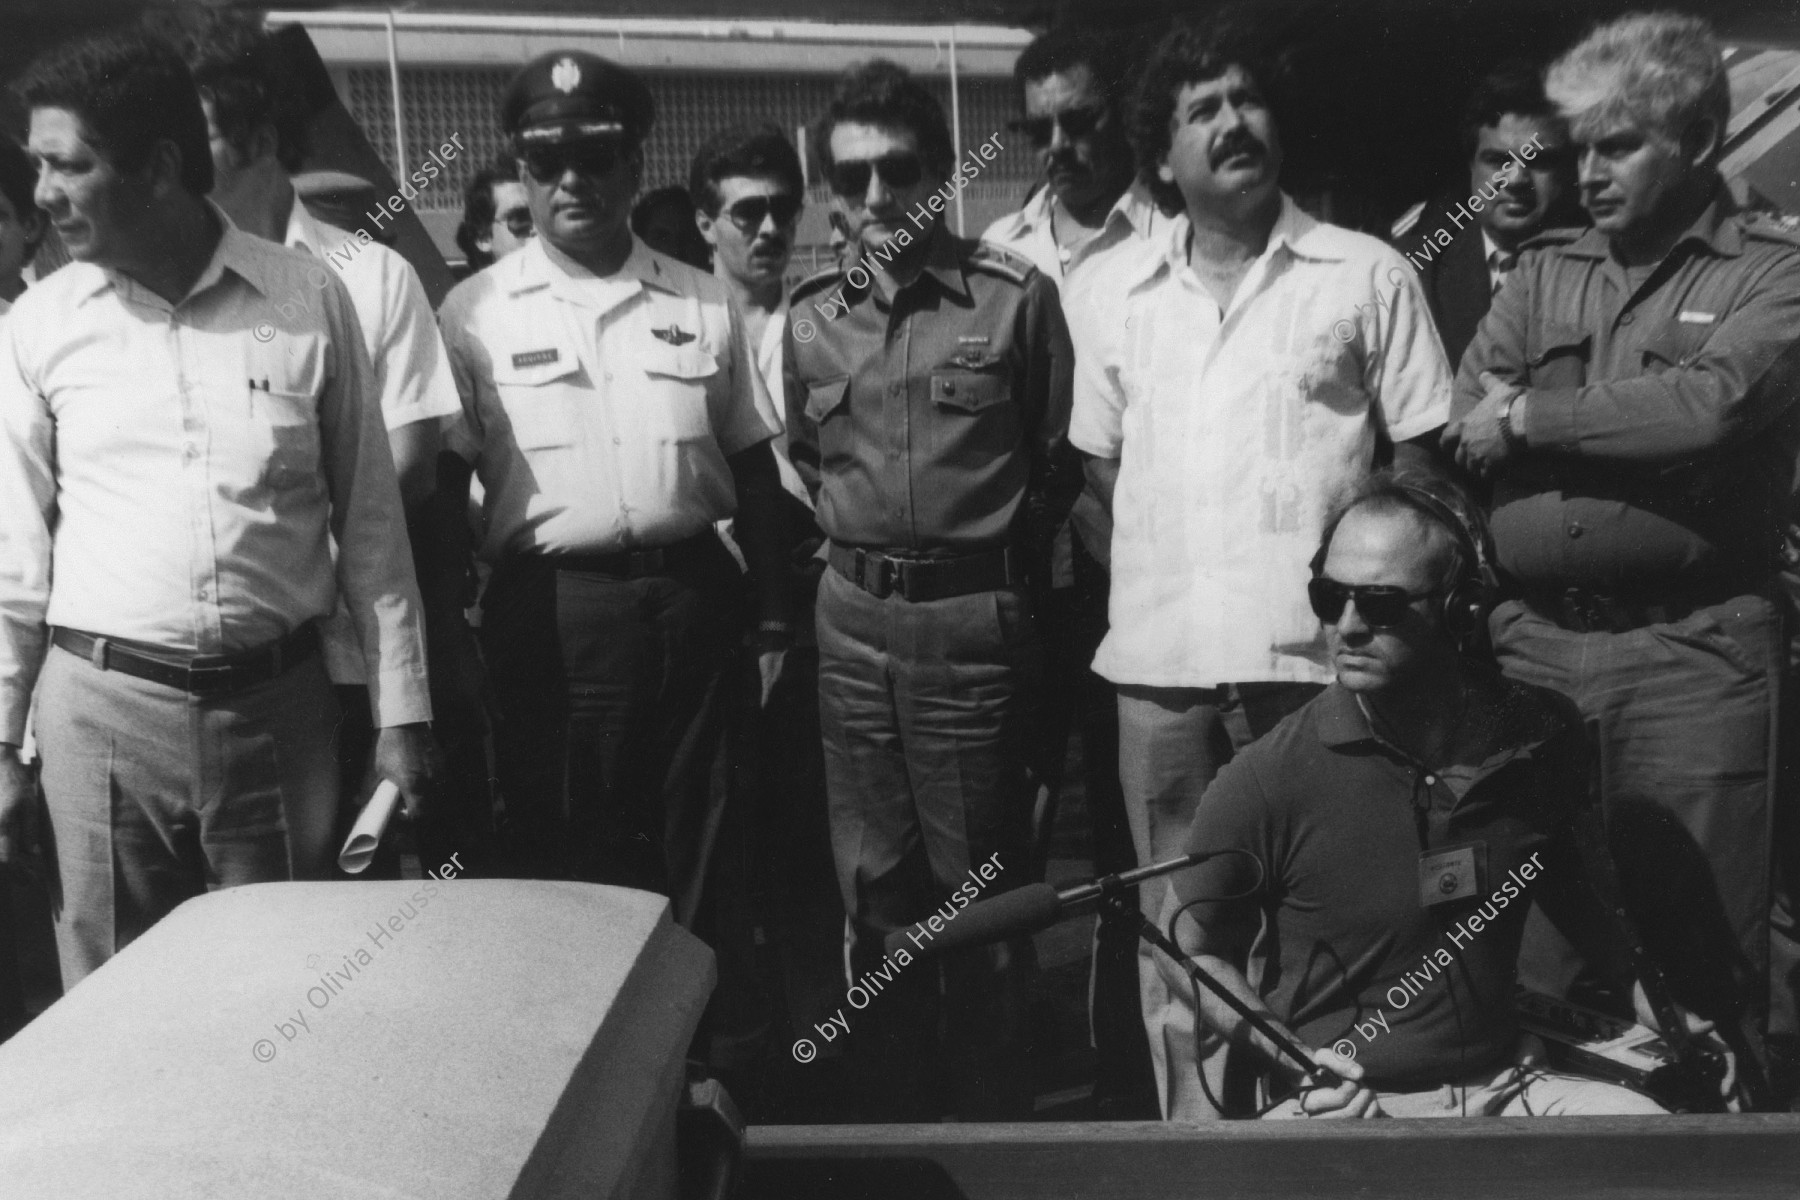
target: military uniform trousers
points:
(609, 699)
(927, 711)
(154, 796)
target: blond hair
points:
(1659, 71)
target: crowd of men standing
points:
(1088, 471)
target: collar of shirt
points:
(768, 354)
(306, 232)
(236, 252)
(1294, 232)
(541, 265)
(942, 263)
(1134, 211)
(1529, 723)
(1712, 228)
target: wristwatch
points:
(1508, 434)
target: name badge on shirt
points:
(1447, 875)
(533, 358)
(1689, 316)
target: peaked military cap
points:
(568, 95)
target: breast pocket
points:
(676, 379)
(284, 378)
(976, 407)
(1558, 356)
(1675, 345)
(534, 387)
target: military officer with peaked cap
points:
(614, 414)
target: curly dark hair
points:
(1107, 54)
(1197, 50)
(130, 90)
(478, 209)
(884, 93)
(760, 149)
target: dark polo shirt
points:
(1338, 818)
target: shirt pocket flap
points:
(1675, 345)
(1557, 339)
(541, 362)
(680, 362)
(823, 398)
(969, 391)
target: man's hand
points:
(407, 755)
(1348, 1100)
(1475, 440)
(18, 810)
(1697, 1025)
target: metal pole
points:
(956, 127)
(393, 49)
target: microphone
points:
(1022, 910)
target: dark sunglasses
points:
(1075, 122)
(547, 164)
(896, 170)
(516, 220)
(748, 214)
(1381, 605)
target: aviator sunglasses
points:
(547, 164)
(896, 170)
(748, 214)
(1382, 605)
(1075, 122)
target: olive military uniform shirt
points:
(925, 424)
(1661, 419)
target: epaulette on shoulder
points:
(1405, 221)
(818, 281)
(998, 260)
(1545, 239)
(1773, 227)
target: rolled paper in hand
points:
(365, 835)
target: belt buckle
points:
(211, 680)
(881, 586)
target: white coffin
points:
(507, 1039)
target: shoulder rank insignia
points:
(533, 358)
(675, 335)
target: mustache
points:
(1238, 142)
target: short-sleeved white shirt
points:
(599, 411)
(1235, 432)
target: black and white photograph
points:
(899, 599)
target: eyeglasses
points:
(1382, 606)
(547, 164)
(896, 170)
(1075, 122)
(748, 214)
(517, 221)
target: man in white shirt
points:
(1255, 363)
(177, 454)
(1073, 85)
(257, 135)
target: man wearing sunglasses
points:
(1073, 83)
(1252, 364)
(927, 397)
(1385, 842)
(610, 407)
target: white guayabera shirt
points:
(1235, 431)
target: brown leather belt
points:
(917, 579)
(1585, 610)
(208, 676)
(637, 564)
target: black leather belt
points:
(916, 579)
(1585, 610)
(636, 564)
(205, 675)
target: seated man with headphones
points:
(1391, 834)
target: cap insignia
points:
(565, 76)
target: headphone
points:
(1471, 595)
